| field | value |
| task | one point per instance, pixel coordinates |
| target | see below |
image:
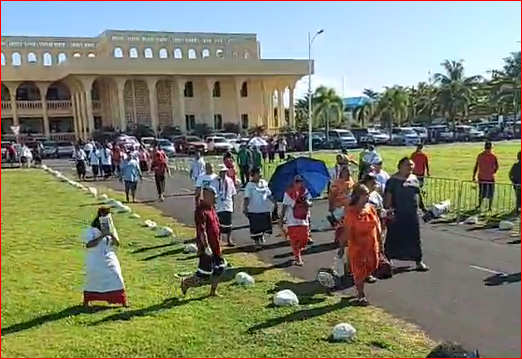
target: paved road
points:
(450, 302)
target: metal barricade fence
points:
(501, 195)
(463, 195)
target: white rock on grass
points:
(150, 224)
(286, 298)
(506, 225)
(93, 191)
(190, 248)
(165, 232)
(124, 209)
(104, 198)
(135, 216)
(343, 332)
(471, 220)
(45, 168)
(244, 279)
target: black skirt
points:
(403, 240)
(260, 223)
(144, 166)
(210, 266)
(225, 222)
(80, 168)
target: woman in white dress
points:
(104, 281)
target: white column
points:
(280, 108)
(292, 107)
(153, 103)
(120, 86)
(179, 103)
(209, 83)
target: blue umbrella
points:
(315, 175)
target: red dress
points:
(229, 163)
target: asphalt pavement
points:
(460, 299)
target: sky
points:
(364, 44)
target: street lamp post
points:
(310, 124)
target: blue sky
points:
(369, 44)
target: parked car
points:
(218, 145)
(440, 133)
(65, 149)
(341, 139)
(50, 149)
(370, 136)
(166, 146)
(468, 133)
(147, 142)
(194, 143)
(422, 132)
(404, 136)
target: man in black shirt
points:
(514, 177)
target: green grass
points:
(42, 267)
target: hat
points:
(222, 168)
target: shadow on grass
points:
(305, 291)
(147, 311)
(53, 317)
(501, 279)
(151, 248)
(172, 252)
(301, 315)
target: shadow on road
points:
(501, 279)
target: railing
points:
(464, 196)
(59, 105)
(96, 105)
(6, 105)
(63, 137)
(29, 105)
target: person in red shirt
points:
(211, 264)
(486, 168)
(160, 167)
(11, 154)
(421, 167)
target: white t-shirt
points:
(289, 214)
(258, 195)
(88, 147)
(94, 158)
(371, 157)
(205, 180)
(381, 178)
(226, 190)
(197, 168)
(79, 155)
(281, 146)
(106, 157)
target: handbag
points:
(384, 269)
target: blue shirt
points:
(130, 170)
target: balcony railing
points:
(59, 105)
(6, 106)
(29, 105)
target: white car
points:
(218, 145)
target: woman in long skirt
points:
(402, 197)
(104, 281)
(258, 207)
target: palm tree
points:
(393, 106)
(454, 94)
(363, 113)
(328, 106)
(372, 95)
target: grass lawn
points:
(42, 267)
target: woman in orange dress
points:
(339, 198)
(362, 230)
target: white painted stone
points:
(165, 232)
(244, 279)
(150, 224)
(104, 198)
(286, 298)
(190, 248)
(506, 225)
(124, 209)
(343, 332)
(93, 191)
(471, 220)
(135, 216)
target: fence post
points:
(459, 200)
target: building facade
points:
(64, 88)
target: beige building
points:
(65, 88)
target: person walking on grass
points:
(514, 177)
(160, 167)
(485, 170)
(421, 167)
(244, 162)
(211, 264)
(130, 175)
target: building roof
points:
(353, 102)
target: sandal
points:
(371, 279)
(421, 267)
